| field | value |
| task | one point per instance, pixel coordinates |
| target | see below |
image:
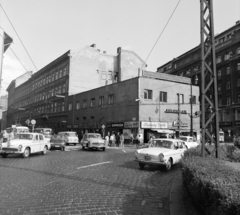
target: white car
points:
(24, 144)
(70, 137)
(93, 141)
(161, 152)
(190, 142)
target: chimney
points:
(93, 45)
(119, 49)
(104, 52)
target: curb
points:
(176, 201)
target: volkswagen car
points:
(93, 141)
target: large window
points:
(101, 101)
(110, 99)
(92, 102)
(147, 94)
(163, 96)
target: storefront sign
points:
(181, 124)
(154, 125)
(175, 111)
(130, 124)
(117, 125)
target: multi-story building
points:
(39, 96)
(227, 47)
(145, 105)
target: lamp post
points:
(191, 104)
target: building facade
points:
(39, 96)
(227, 47)
(144, 105)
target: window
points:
(219, 74)
(219, 89)
(56, 75)
(63, 106)
(116, 77)
(181, 98)
(104, 76)
(84, 103)
(228, 100)
(70, 106)
(64, 88)
(238, 82)
(228, 71)
(64, 71)
(226, 56)
(193, 99)
(219, 59)
(55, 107)
(228, 86)
(147, 94)
(60, 73)
(163, 96)
(92, 103)
(101, 101)
(77, 105)
(44, 81)
(109, 75)
(111, 99)
(59, 89)
(220, 102)
(238, 66)
(52, 77)
(239, 98)
(49, 79)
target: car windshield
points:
(162, 144)
(94, 136)
(71, 134)
(24, 136)
(183, 138)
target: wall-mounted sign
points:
(130, 124)
(154, 125)
(117, 125)
(180, 124)
(175, 111)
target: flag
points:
(7, 41)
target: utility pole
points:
(209, 94)
(179, 113)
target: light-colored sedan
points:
(190, 142)
(24, 144)
(161, 152)
(93, 141)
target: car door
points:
(41, 142)
(84, 140)
(35, 144)
(180, 150)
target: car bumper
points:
(10, 152)
(152, 163)
(97, 146)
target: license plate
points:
(147, 157)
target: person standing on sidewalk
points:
(118, 139)
(122, 140)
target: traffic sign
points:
(103, 126)
(27, 121)
(33, 121)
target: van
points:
(71, 137)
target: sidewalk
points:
(176, 197)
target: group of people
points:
(113, 139)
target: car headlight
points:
(136, 154)
(20, 148)
(161, 157)
(0, 146)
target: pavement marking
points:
(143, 202)
(124, 151)
(96, 164)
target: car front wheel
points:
(169, 164)
(103, 149)
(26, 153)
(141, 165)
(44, 150)
(4, 155)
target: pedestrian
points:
(112, 140)
(118, 139)
(137, 140)
(122, 140)
(107, 140)
(131, 138)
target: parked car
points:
(93, 141)
(161, 152)
(71, 137)
(237, 142)
(190, 142)
(58, 141)
(24, 144)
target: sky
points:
(49, 28)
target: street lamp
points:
(191, 103)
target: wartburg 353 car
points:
(25, 144)
(93, 141)
(161, 152)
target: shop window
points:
(147, 94)
(163, 96)
(92, 104)
(219, 74)
(111, 99)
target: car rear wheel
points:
(75, 144)
(44, 150)
(26, 153)
(169, 165)
(103, 149)
(141, 165)
(63, 148)
(83, 147)
(4, 155)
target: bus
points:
(47, 132)
(18, 129)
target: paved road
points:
(83, 182)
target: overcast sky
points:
(49, 28)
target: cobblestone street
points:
(83, 182)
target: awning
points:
(165, 131)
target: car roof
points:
(93, 133)
(67, 132)
(29, 133)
